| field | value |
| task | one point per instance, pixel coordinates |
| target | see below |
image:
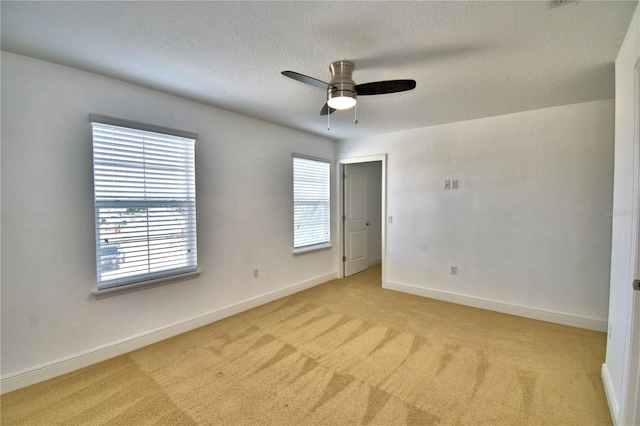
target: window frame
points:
(329, 211)
(190, 268)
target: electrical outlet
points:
(454, 184)
(453, 270)
(447, 184)
(390, 219)
(255, 272)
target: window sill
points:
(316, 247)
(114, 291)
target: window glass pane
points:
(311, 202)
(144, 185)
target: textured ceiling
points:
(470, 59)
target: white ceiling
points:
(470, 59)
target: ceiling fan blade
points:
(306, 79)
(382, 87)
(326, 110)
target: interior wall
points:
(530, 224)
(244, 208)
(623, 214)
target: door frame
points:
(340, 209)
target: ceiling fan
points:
(342, 91)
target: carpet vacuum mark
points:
(343, 353)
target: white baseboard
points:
(375, 261)
(506, 308)
(71, 363)
(610, 393)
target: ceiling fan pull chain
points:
(355, 114)
(328, 113)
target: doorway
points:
(362, 212)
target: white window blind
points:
(311, 202)
(145, 205)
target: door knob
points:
(368, 224)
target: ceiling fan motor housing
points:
(341, 84)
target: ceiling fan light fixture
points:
(341, 93)
(341, 100)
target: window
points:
(311, 203)
(145, 204)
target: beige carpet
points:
(346, 352)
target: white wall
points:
(244, 189)
(622, 262)
(528, 228)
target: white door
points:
(632, 407)
(355, 219)
(633, 399)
